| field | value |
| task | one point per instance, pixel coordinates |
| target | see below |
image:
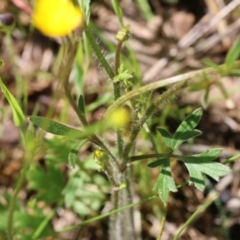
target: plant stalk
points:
(13, 200)
(163, 221)
(163, 83)
(211, 198)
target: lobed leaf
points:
(186, 129)
(202, 163)
(165, 182)
(49, 184)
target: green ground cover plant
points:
(126, 117)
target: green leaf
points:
(211, 64)
(165, 182)
(81, 104)
(167, 137)
(55, 127)
(186, 129)
(73, 155)
(202, 163)
(18, 115)
(49, 183)
(57, 149)
(231, 159)
(123, 75)
(117, 10)
(233, 54)
(83, 192)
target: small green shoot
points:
(123, 75)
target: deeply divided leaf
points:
(48, 183)
(165, 182)
(203, 163)
(186, 129)
(55, 127)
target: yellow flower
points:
(120, 117)
(56, 18)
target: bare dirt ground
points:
(174, 40)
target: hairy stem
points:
(112, 167)
(159, 102)
(117, 94)
(163, 83)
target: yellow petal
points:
(56, 18)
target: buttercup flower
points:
(56, 18)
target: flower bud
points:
(7, 22)
(7, 19)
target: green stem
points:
(13, 200)
(147, 156)
(107, 214)
(158, 103)
(41, 227)
(211, 198)
(163, 83)
(117, 93)
(163, 221)
(64, 75)
(20, 84)
(117, 65)
(150, 87)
